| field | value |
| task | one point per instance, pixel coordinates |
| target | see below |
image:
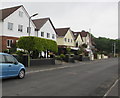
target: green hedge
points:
(31, 43)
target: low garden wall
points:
(86, 58)
(46, 61)
(78, 57)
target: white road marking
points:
(106, 94)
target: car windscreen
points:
(10, 59)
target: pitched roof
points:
(8, 11)
(83, 33)
(62, 31)
(40, 22)
(75, 34)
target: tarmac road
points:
(92, 78)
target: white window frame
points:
(10, 26)
(65, 39)
(48, 35)
(43, 34)
(68, 40)
(20, 28)
(9, 46)
(20, 13)
(28, 29)
(53, 36)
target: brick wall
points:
(3, 42)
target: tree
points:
(28, 44)
(35, 44)
(106, 45)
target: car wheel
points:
(21, 74)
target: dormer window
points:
(20, 13)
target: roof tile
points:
(62, 31)
(4, 13)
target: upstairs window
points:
(68, 40)
(65, 39)
(48, 35)
(53, 36)
(28, 29)
(71, 40)
(20, 13)
(42, 34)
(20, 28)
(10, 26)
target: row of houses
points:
(16, 22)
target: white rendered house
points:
(14, 23)
(45, 28)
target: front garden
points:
(32, 50)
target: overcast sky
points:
(100, 17)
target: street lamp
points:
(29, 28)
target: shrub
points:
(58, 58)
(68, 50)
(20, 55)
(35, 54)
(80, 51)
(5, 51)
(62, 56)
(35, 43)
(13, 48)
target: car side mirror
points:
(15, 63)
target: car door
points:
(13, 66)
(3, 66)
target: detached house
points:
(45, 28)
(86, 38)
(14, 23)
(78, 39)
(65, 38)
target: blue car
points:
(10, 67)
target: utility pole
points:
(114, 49)
(90, 38)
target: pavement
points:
(91, 78)
(58, 65)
